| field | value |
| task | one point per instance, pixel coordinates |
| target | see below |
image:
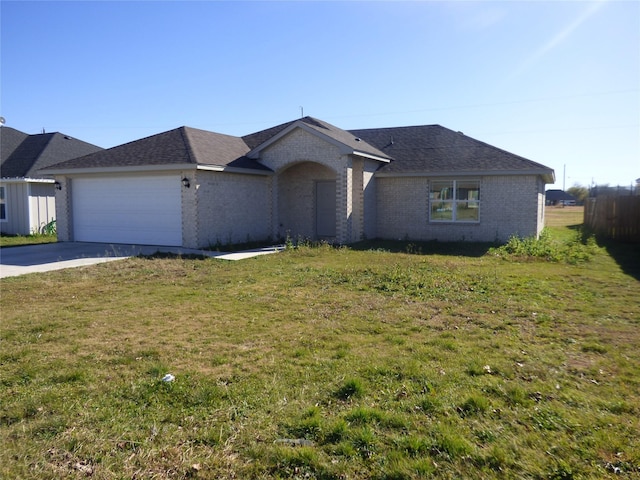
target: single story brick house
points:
(27, 198)
(305, 178)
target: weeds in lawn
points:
(580, 248)
(322, 363)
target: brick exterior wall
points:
(224, 208)
(297, 199)
(294, 207)
(509, 205)
(64, 222)
(369, 208)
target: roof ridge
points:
(187, 142)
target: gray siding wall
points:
(230, 208)
(16, 207)
(29, 206)
(509, 205)
(42, 205)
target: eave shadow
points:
(626, 255)
(433, 247)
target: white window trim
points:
(454, 201)
(3, 200)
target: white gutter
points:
(26, 180)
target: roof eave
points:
(371, 156)
(26, 180)
(119, 169)
(547, 175)
(227, 169)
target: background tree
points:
(579, 192)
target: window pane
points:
(468, 190)
(441, 191)
(467, 211)
(1, 193)
(3, 212)
(442, 211)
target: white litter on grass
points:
(168, 378)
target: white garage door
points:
(138, 210)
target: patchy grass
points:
(19, 240)
(422, 362)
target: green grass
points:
(385, 361)
(19, 240)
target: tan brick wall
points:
(296, 199)
(297, 217)
(229, 208)
(509, 205)
(64, 219)
(369, 207)
(357, 200)
(190, 223)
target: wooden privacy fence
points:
(614, 217)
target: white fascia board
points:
(128, 169)
(371, 156)
(26, 180)
(223, 168)
(547, 175)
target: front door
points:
(325, 209)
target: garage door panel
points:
(145, 210)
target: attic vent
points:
(357, 139)
(460, 132)
(67, 138)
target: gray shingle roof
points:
(427, 149)
(24, 155)
(438, 150)
(180, 146)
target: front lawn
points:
(20, 240)
(432, 362)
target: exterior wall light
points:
(58, 185)
(185, 182)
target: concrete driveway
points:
(16, 261)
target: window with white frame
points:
(3, 204)
(454, 201)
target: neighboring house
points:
(305, 178)
(559, 197)
(27, 199)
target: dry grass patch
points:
(322, 363)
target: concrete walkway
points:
(16, 261)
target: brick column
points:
(64, 219)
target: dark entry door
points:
(326, 209)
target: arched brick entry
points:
(304, 201)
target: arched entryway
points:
(306, 199)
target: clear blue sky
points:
(555, 82)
